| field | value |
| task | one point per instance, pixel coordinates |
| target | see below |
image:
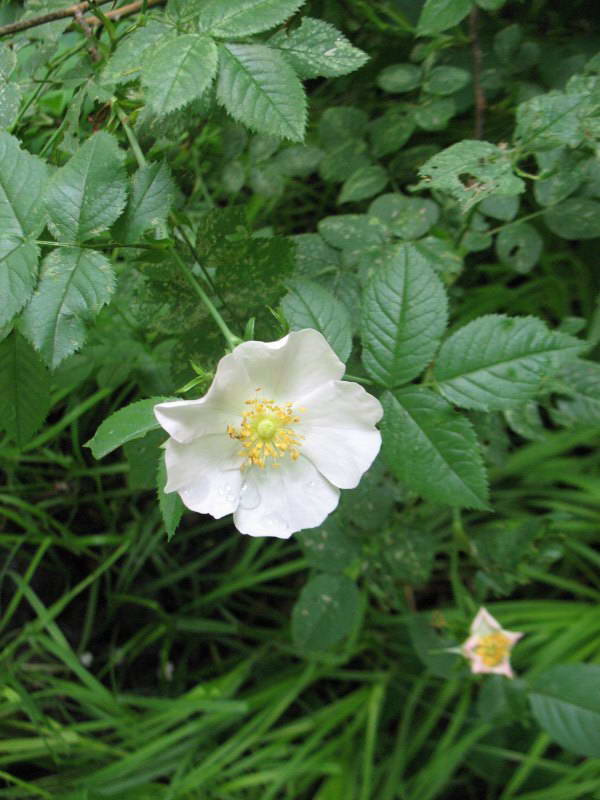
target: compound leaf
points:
(309, 305)
(18, 272)
(22, 181)
(149, 203)
(244, 17)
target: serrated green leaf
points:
(18, 273)
(259, 88)
(446, 80)
(439, 15)
(404, 315)
(432, 449)
(363, 183)
(179, 71)
(399, 78)
(441, 257)
(87, 195)
(244, 17)
(10, 93)
(550, 120)
(25, 395)
(565, 173)
(576, 218)
(317, 49)
(581, 406)
(352, 231)
(313, 255)
(519, 247)
(125, 64)
(142, 458)
(470, 171)
(406, 217)
(171, 505)
(125, 425)
(566, 703)
(498, 362)
(309, 305)
(22, 181)
(326, 611)
(149, 203)
(74, 285)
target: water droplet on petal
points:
(249, 497)
(310, 485)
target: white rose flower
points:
(488, 646)
(274, 439)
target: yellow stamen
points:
(266, 433)
(493, 648)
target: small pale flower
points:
(274, 439)
(488, 646)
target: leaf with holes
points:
(317, 49)
(179, 71)
(308, 305)
(74, 285)
(519, 246)
(498, 362)
(25, 396)
(404, 316)
(432, 449)
(244, 17)
(259, 88)
(88, 194)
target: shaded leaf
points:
(327, 610)
(309, 305)
(149, 202)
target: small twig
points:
(63, 13)
(124, 11)
(480, 103)
(92, 49)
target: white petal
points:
(484, 623)
(206, 473)
(278, 501)
(290, 367)
(222, 405)
(338, 426)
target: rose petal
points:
(221, 406)
(290, 367)
(338, 425)
(206, 473)
(278, 501)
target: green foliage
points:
(439, 15)
(125, 425)
(432, 449)
(25, 398)
(327, 610)
(244, 17)
(308, 305)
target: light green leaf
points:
(326, 611)
(406, 217)
(179, 71)
(390, 132)
(434, 114)
(363, 183)
(441, 257)
(244, 17)
(439, 15)
(74, 285)
(125, 64)
(149, 203)
(581, 406)
(498, 362)
(298, 160)
(404, 316)
(470, 171)
(18, 273)
(125, 425)
(341, 123)
(575, 218)
(313, 255)
(399, 78)
(317, 49)
(171, 505)
(446, 80)
(309, 305)
(565, 174)
(259, 88)
(550, 120)
(142, 458)
(25, 395)
(87, 195)
(502, 207)
(432, 449)
(22, 181)
(352, 231)
(490, 5)
(566, 703)
(519, 247)
(10, 93)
